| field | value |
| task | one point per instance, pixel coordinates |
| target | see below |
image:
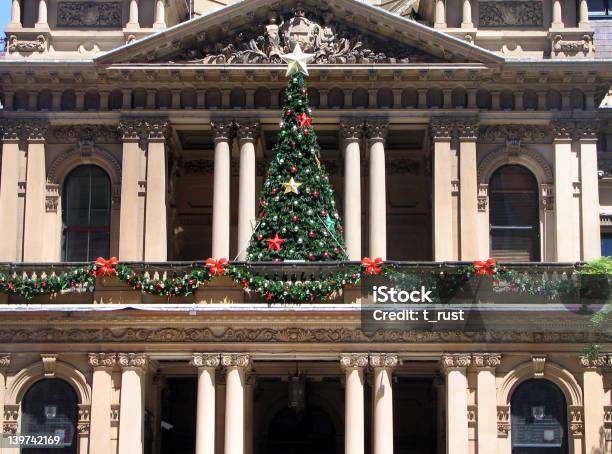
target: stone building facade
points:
(142, 128)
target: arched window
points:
(514, 215)
(86, 201)
(539, 419)
(50, 407)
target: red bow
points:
(216, 267)
(489, 267)
(106, 267)
(305, 120)
(372, 266)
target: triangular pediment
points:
(255, 32)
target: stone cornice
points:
(353, 360)
(384, 360)
(133, 360)
(102, 360)
(239, 360)
(205, 360)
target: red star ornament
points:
(275, 244)
(305, 120)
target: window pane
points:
(606, 244)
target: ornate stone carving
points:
(376, 130)
(592, 362)
(52, 198)
(453, 361)
(539, 364)
(317, 32)
(84, 419)
(19, 45)
(472, 415)
(23, 130)
(547, 196)
(572, 46)
(353, 360)
(563, 129)
(503, 421)
(89, 14)
(608, 416)
(144, 129)
(576, 421)
(483, 197)
(441, 128)
(586, 129)
(133, 360)
(114, 415)
(467, 128)
(205, 360)
(486, 360)
(56, 167)
(247, 130)
(5, 361)
(386, 360)
(90, 133)
(502, 156)
(223, 129)
(507, 13)
(241, 360)
(351, 130)
(49, 361)
(522, 133)
(102, 360)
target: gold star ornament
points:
(297, 61)
(292, 186)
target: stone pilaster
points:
(486, 400)
(454, 368)
(236, 366)
(441, 133)
(131, 412)
(223, 133)
(594, 399)
(469, 239)
(248, 133)
(101, 400)
(352, 134)
(205, 415)
(382, 401)
(353, 366)
(376, 132)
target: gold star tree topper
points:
(297, 61)
(292, 186)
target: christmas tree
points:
(297, 217)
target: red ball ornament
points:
(326, 254)
(277, 259)
(293, 170)
(311, 234)
(311, 257)
(315, 195)
(289, 112)
(306, 132)
(274, 191)
(293, 144)
(323, 213)
(337, 250)
(260, 237)
(295, 218)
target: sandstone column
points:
(382, 402)
(5, 362)
(36, 193)
(440, 14)
(583, 14)
(42, 14)
(205, 419)
(467, 15)
(236, 365)
(566, 224)
(156, 235)
(377, 133)
(468, 190)
(441, 130)
(594, 401)
(247, 132)
(557, 15)
(589, 190)
(132, 406)
(101, 395)
(9, 192)
(15, 14)
(486, 400)
(131, 225)
(160, 14)
(354, 404)
(454, 368)
(352, 132)
(133, 22)
(223, 131)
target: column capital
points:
(467, 128)
(5, 361)
(486, 360)
(384, 360)
(562, 130)
(223, 129)
(351, 130)
(26, 130)
(102, 360)
(247, 130)
(377, 129)
(455, 361)
(598, 361)
(205, 360)
(239, 360)
(441, 128)
(353, 361)
(144, 129)
(133, 360)
(586, 130)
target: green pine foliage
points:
(304, 213)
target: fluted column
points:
(382, 402)
(42, 14)
(557, 15)
(352, 134)
(467, 14)
(247, 132)
(11, 134)
(441, 131)
(156, 235)
(486, 400)
(160, 14)
(132, 406)
(454, 368)
(583, 14)
(101, 399)
(223, 132)
(15, 14)
(354, 404)
(586, 133)
(440, 14)
(468, 189)
(36, 193)
(133, 21)
(236, 365)
(205, 419)
(594, 401)
(5, 362)
(377, 133)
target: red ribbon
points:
(216, 267)
(106, 267)
(485, 268)
(372, 266)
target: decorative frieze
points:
(353, 360)
(199, 166)
(133, 360)
(89, 14)
(455, 361)
(403, 167)
(205, 360)
(240, 360)
(20, 45)
(102, 360)
(508, 13)
(385, 360)
(514, 133)
(89, 133)
(572, 47)
(486, 360)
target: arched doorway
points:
(309, 432)
(50, 407)
(539, 419)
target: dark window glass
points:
(606, 244)
(599, 8)
(539, 419)
(514, 215)
(50, 407)
(86, 214)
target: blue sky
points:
(5, 13)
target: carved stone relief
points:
(89, 14)
(508, 13)
(19, 45)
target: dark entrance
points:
(178, 415)
(311, 431)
